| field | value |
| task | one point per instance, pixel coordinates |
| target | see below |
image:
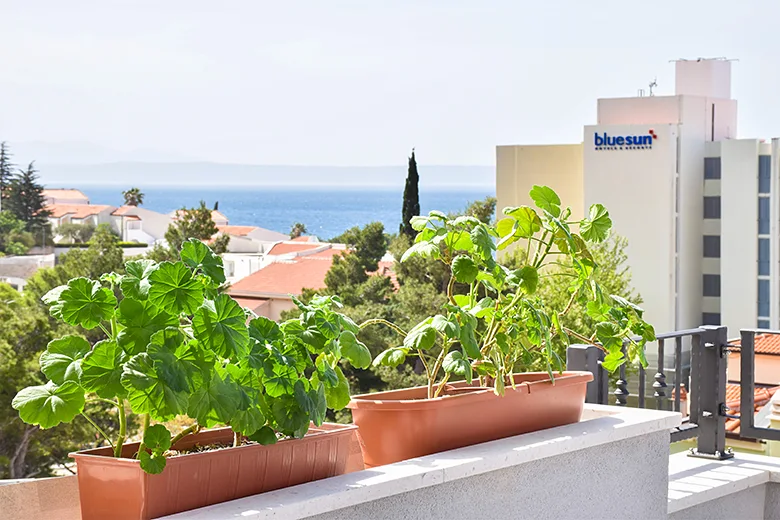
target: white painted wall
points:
(774, 228)
(637, 187)
(706, 78)
(739, 233)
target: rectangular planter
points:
(117, 488)
(403, 424)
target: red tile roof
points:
(305, 238)
(283, 248)
(761, 398)
(238, 231)
(77, 211)
(64, 193)
(287, 277)
(251, 303)
(122, 210)
(764, 344)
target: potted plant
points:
(492, 329)
(175, 345)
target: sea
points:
(326, 212)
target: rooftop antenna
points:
(653, 84)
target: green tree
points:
(133, 197)
(14, 239)
(6, 172)
(411, 203)
(27, 202)
(297, 229)
(348, 276)
(76, 233)
(190, 223)
(484, 210)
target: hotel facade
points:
(698, 205)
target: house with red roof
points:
(89, 214)
(64, 196)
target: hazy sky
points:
(359, 82)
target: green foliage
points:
(76, 233)
(14, 238)
(495, 320)
(173, 345)
(411, 203)
(6, 172)
(133, 197)
(26, 200)
(483, 210)
(298, 229)
(192, 223)
(349, 273)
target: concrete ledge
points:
(36, 499)
(343, 496)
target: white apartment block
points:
(698, 206)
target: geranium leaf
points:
(391, 357)
(545, 198)
(174, 290)
(596, 227)
(464, 269)
(264, 330)
(135, 282)
(61, 361)
(49, 405)
(157, 438)
(289, 416)
(84, 302)
(148, 392)
(198, 255)
(279, 380)
(152, 463)
(101, 370)
(220, 325)
(264, 435)
(455, 363)
(421, 337)
(355, 351)
(214, 402)
(141, 319)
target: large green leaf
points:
(423, 249)
(483, 242)
(140, 319)
(468, 338)
(528, 222)
(264, 330)
(464, 269)
(49, 405)
(84, 302)
(148, 392)
(157, 439)
(326, 372)
(248, 421)
(455, 363)
(198, 255)
(279, 380)
(545, 198)
(422, 336)
(61, 361)
(447, 326)
(215, 402)
(354, 350)
(264, 435)
(220, 325)
(174, 290)
(528, 278)
(312, 401)
(391, 357)
(336, 396)
(135, 282)
(291, 418)
(101, 370)
(52, 299)
(596, 227)
(163, 348)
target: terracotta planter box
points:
(119, 489)
(403, 424)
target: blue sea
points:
(326, 212)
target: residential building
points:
(88, 214)
(250, 239)
(142, 225)
(219, 218)
(16, 270)
(699, 207)
(64, 196)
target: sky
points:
(354, 82)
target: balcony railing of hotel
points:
(698, 369)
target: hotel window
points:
(712, 167)
(711, 246)
(763, 216)
(711, 284)
(764, 175)
(710, 318)
(711, 207)
(763, 257)
(763, 324)
(763, 298)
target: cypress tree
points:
(26, 200)
(6, 172)
(411, 204)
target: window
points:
(711, 285)
(133, 224)
(230, 269)
(763, 257)
(763, 324)
(711, 246)
(712, 167)
(763, 216)
(710, 318)
(763, 298)
(764, 173)
(711, 207)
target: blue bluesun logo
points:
(624, 142)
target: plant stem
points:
(99, 429)
(571, 302)
(144, 427)
(425, 364)
(236, 439)
(380, 321)
(582, 338)
(122, 429)
(101, 400)
(441, 385)
(436, 369)
(105, 330)
(190, 429)
(450, 287)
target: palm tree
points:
(297, 230)
(133, 197)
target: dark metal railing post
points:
(621, 385)
(660, 378)
(588, 358)
(710, 393)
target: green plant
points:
(493, 324)
(175, 345)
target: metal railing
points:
(704, 378)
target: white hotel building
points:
(698, 206)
